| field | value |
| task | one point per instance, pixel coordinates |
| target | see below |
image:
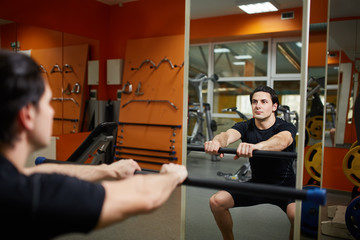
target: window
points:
(199, 63)
(241, 67)
(241, 59)
(199, 60)
(288, 57)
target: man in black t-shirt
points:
(48, 200)
(263, 132)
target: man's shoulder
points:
(282, 124)
(244, 123)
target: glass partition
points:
(241, 59)
(340, 158)
(288, 56)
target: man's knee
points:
(221, 200)
(290, 211)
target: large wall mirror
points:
(96, 35)
(339, 174)
(63, 59)
(243, 57)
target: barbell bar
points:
(256, 153)
(317, 196)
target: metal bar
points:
(143, 161)
(150, 124)
(256, 153)
(149, 101)
(66, 119)
(317, 196)
(144, 155)
(146, 149)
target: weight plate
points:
(351, 165)
(314, 126)
(352, 217)
(312, 161)
(306, 137)
(309, 215)
(354, 144)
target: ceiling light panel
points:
(258, 7)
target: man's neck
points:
(17, 154)
(266, 123)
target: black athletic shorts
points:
(244, 200)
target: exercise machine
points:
(96, 149)
(198, 110)
(244, 172)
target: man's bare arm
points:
(278, 142)
(139, 194)
(221, 140)
(117, 170)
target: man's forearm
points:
(277, 142)
(225, 138)
(222, 138)
(90, 173)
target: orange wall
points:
(243, 26)
(114, 25)
(111, 25)
(318, 11)
(317, 49)
(240, 25)
(143, 19)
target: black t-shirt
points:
(42, 206)
(269, 170)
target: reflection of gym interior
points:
(179, 72)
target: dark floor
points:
(257, 222)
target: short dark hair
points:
(21, 83)
(274, 96)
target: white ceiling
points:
(214, 8)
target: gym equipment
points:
(336, 225)
(65, 99)
(56, 68)
(244, 172)
(310, 215)
(256, 153)
(144, 62)
(146, 155)
(151, 101)
(312, 161)
(99, 145)
(289, 116)
(352, 217)
(309, 211)
(317, 196)
(146, 149)
(197, 111)
(314, 118)
(317, 107)
(354, 144)
(150, 125)
(163, 60)
(351, 169)
(234, 109)
(351, 165)
(314, 126)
